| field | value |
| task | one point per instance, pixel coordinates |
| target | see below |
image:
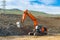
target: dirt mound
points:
(52, 23)
(8, 26)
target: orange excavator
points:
(38, 29)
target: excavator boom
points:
(31, 17)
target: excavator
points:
(38, 29)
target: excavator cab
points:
(41, 30)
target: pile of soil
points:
(8, 24)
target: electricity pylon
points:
(4, 5)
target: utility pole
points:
(4, 6)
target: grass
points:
(35, 13)
(12, 12)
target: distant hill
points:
(20, 11)
(12, 11)
(17, 11)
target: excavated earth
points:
(8, 24)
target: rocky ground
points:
(8, 24)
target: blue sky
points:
(47, 6)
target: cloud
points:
(0, 3)
(46, 9)
(11, 7)
(48, 2)
(36, 7)
(25, 4)
(7, 0)
(1, 0)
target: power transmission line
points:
(4, 5)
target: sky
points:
(47, 6)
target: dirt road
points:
(30, 38)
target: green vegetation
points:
(35, 13)
(12, 11)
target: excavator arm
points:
(31, 17)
